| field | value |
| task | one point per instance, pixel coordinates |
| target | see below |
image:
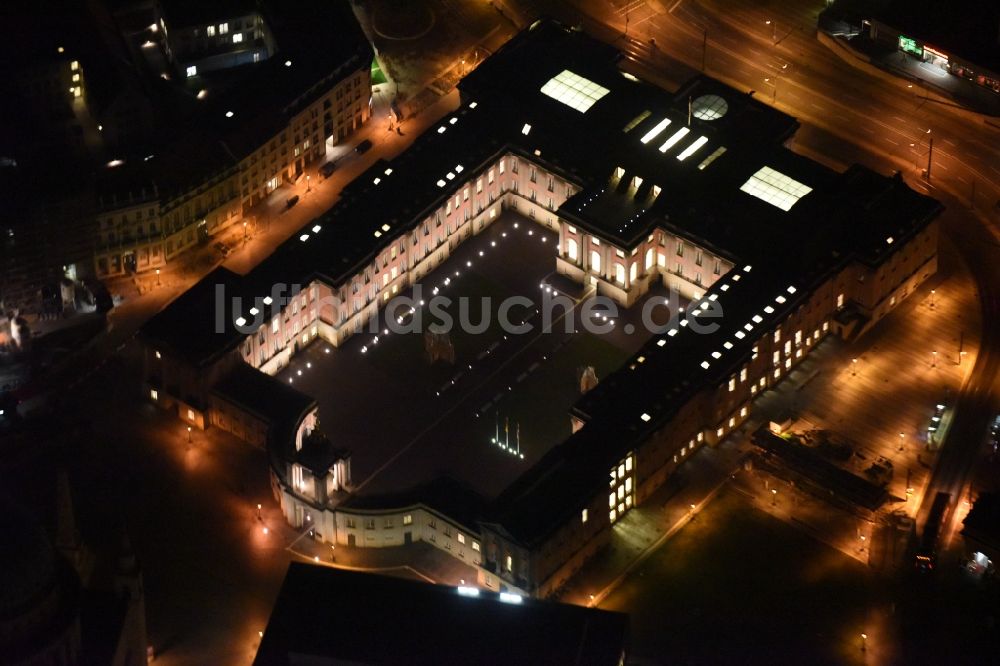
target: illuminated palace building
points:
(693, 190)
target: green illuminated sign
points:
(911, 46)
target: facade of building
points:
(693, 190)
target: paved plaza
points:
(505, 400)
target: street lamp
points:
(864, 642)
(244, 231)
(933, 291)
(902, 438)
(934, 359)
(774, 29)
(189, 434)
(774, 496)
(854, 367)
(308, 184)
(157, 277)
(258, 512)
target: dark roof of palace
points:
(261, 394)
(850, 216)
(330, 615)
(443, 494)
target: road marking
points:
(867, 129)
(675, 6)
(891, 141)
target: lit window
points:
(158, 355)
(223, 28)
(76, 77)
(190, 415)
(237, 37)
(574, 90)
(461, 537)
(583, 516)
(154, 394)
(775, 188)
(524, 131)
(475, 546)
(192, 70)
(74, 65)
(210, 31)
(408, 519)
(510, 563)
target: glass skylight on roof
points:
(693, 148)
(709, 107)
(711, 158)
(677, 136)
(655, 132)
(775, 188)
(635, 121)
(573, 90)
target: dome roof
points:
(27, 560)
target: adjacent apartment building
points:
(292, 89)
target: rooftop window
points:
(693, 148)
(677, 136)
(573, 90)
(655, 132)
(709, 107)
(711, 158)
(775, 188)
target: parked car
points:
(222, 248)
(328, 169)
(363, 147)
(292, 200)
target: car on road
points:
(222, 248)
(328, 168)
(363, 147)
(291, 201)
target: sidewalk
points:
(646, 528)
(939, 85)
